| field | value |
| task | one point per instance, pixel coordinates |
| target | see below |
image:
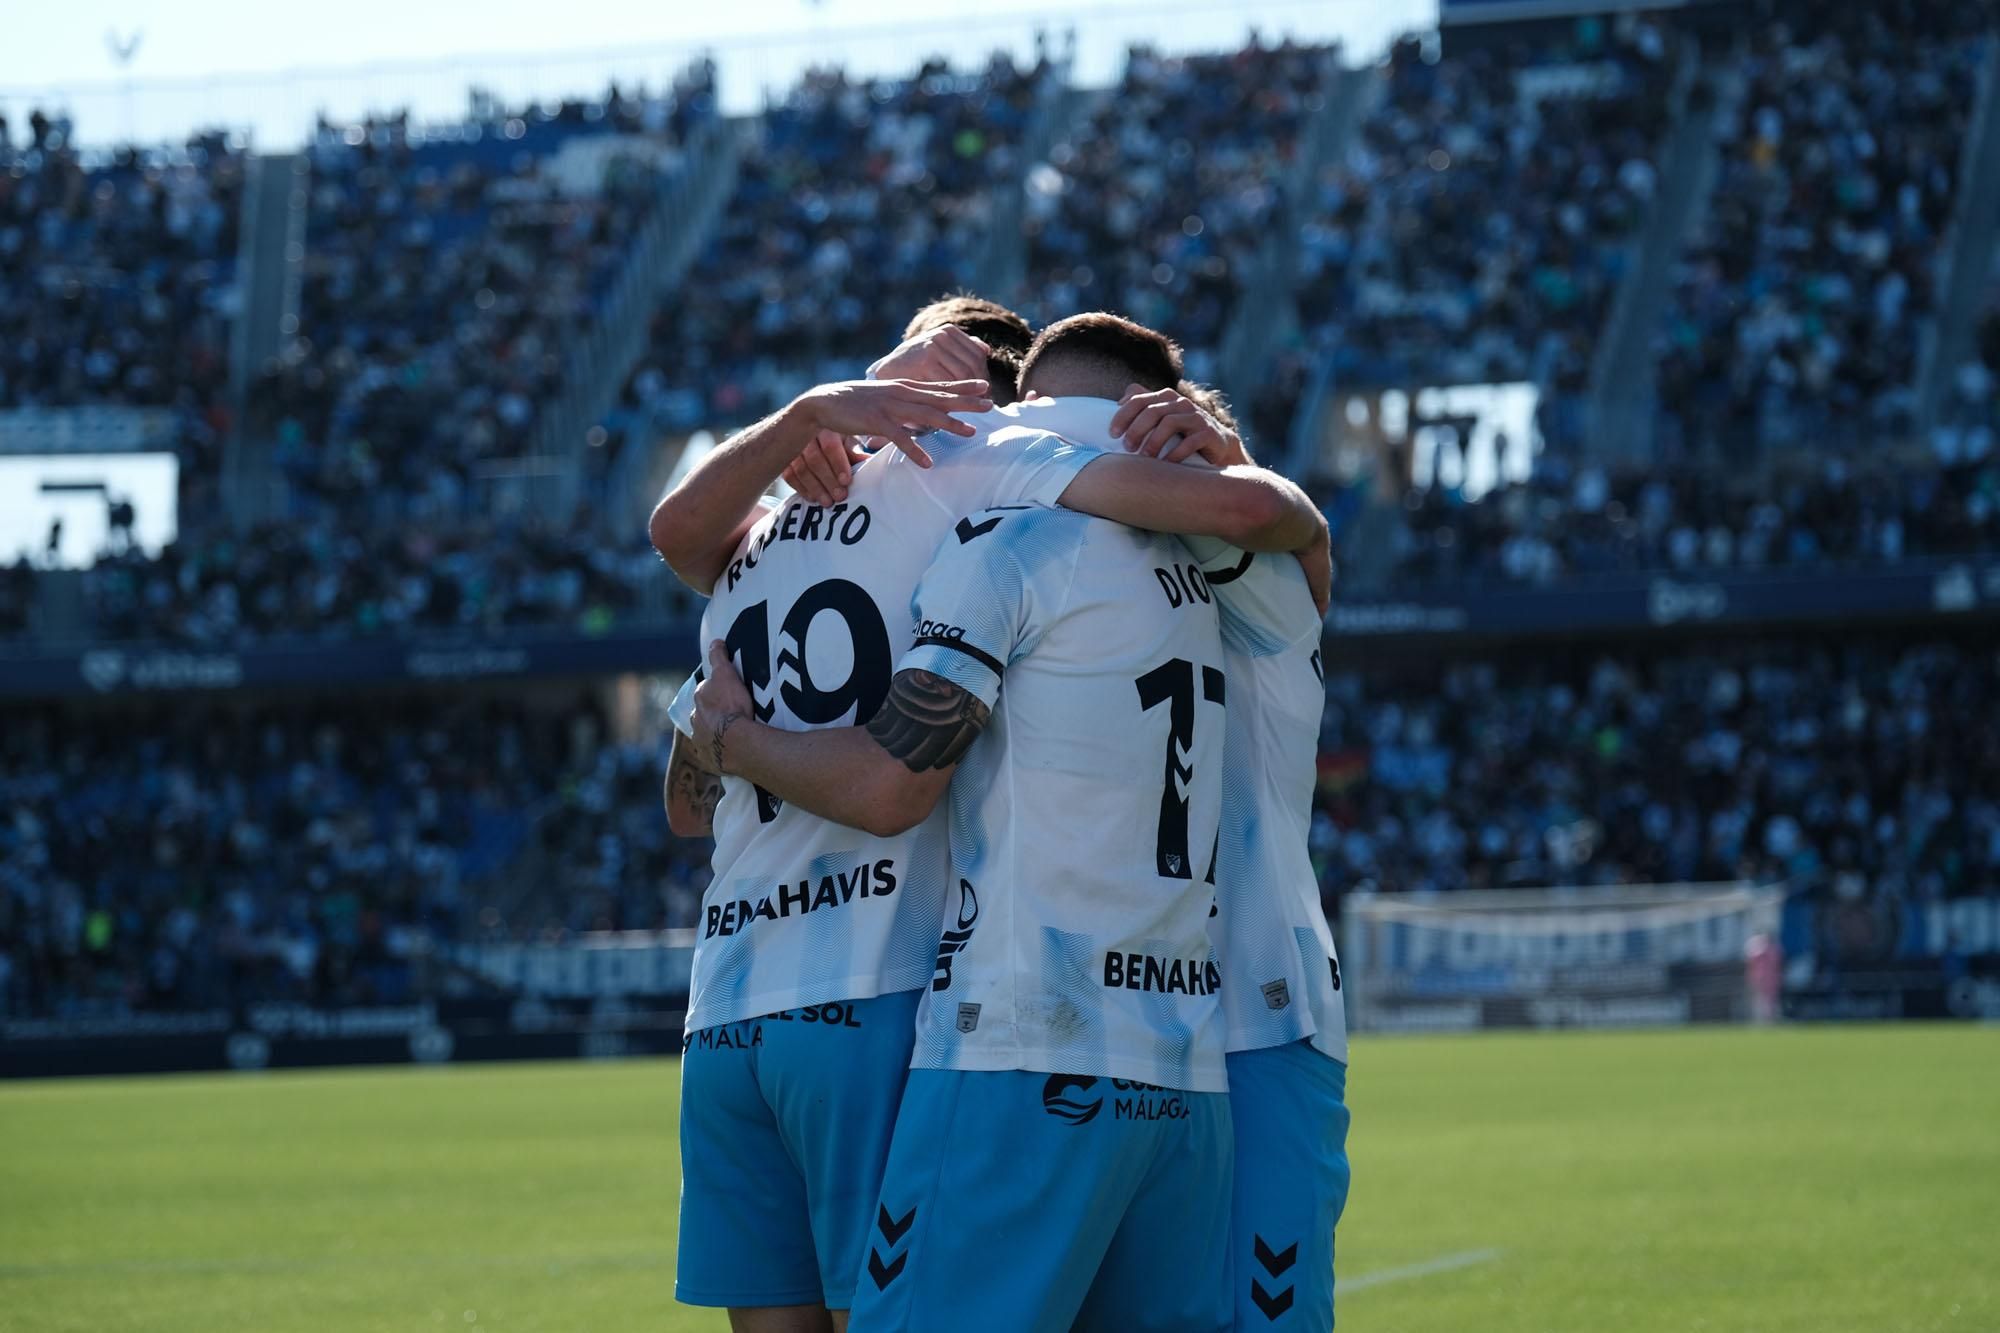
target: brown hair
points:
(989, 321)
(1211, 401)
(1107, 346)
(1007, 333)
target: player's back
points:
(1084, 819)
(815, 609)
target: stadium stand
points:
(1797, 312)
(320, 854)
(1846, 767)
(1568, 522)
(447, 273)
(1474, 227)
(116, 283)
(1477, 228)
(316, 578)
(1168, 190)
(325, 853)
(858, 201)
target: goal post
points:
(1614, 956)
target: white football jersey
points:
(1281, 977)
(1083, 820)
(1280, 973)
(815, 610)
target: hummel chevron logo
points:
(884, 1274)
(891, 1229)
(967, 529)
(1272, 1306)
(1274, 1263)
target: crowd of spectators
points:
(857, 201)
(447, 274)
(1160, 202)
(1568, 522)
(1844, 767)
(331, 854)
(317, 579)
(1478, 225)
(1474, 231)
(118, 282)
(1796, 314)
(322, 855)
(1968, 419)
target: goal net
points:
(1617, 956)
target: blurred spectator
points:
(215, 856)
(1969, 416)
(17, 598)
(1573, 522)
(1795, 317)
(118, 283)
(321, 579)
(1477, 227)
(858, 201)
(448, 274)
(1812, 762)
(1157, 205)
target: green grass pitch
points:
(1790, 1179)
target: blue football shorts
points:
(1290, 1109)
(1018, 1202)
(785, 1128)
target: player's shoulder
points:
(1265, 605)
(994, 432)
(1022, 533)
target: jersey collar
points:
(1084, 421)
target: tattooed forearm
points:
(927, 722)
(690, 787)
(701, 790)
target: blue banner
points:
(1942, 588)
(138, 668)
(1507, 11)
(1935, 589)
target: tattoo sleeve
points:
(927, 722)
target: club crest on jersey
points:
(1277, 994)
(953, 942)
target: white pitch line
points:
(1444, 1263)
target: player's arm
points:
(942, 355)
(1247, 507)
(693, 789)
(979, 609)
(698, 524)
(1243, 506)
(883, 779)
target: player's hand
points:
(825, 469)
(896, 410)
(1317, 561)
(720, 699)
(1168, 425)
(943, 353)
